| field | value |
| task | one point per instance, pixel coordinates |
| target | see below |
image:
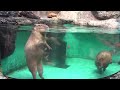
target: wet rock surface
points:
(114, 76)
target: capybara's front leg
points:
(46, 38)
(48, 46)
(40, 69)
(105, 66)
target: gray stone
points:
(103, 15)
(87, 18)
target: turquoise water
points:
(83, 45)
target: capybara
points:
(54, 41)
(50, 15)
(35, 50)
(58, 52)
(103, 59)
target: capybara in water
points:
(48, 49)
(35, 50)
(103, 59)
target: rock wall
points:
(90, 19)
(7, 39)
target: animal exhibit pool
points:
(82, 46)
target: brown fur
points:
(35, 49)
(103, 59)
(50, 15)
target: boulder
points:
(68, 15)
(104, 15)
(28, 14)
(110, 24)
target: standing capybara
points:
(103, 59)
(35, 50)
